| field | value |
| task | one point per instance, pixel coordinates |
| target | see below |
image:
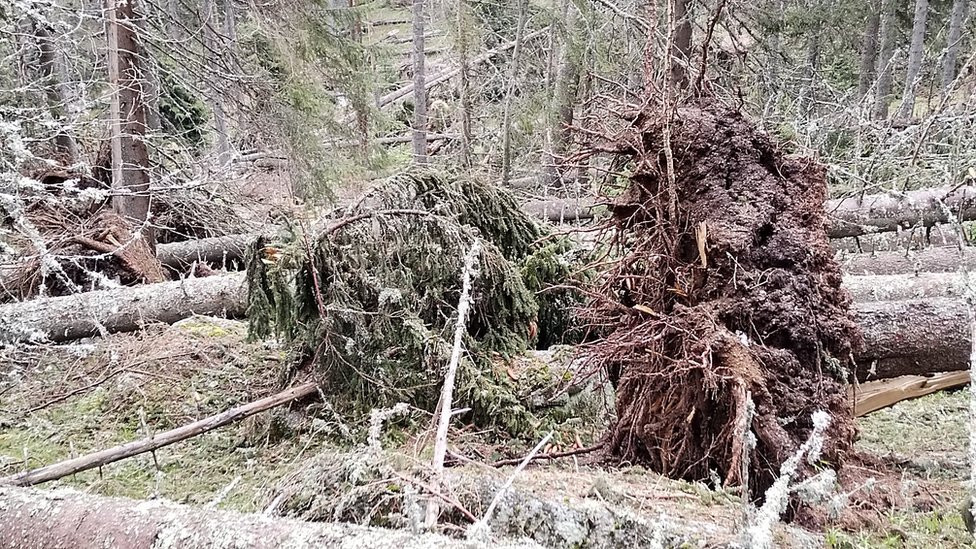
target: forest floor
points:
(63, 401)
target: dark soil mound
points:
(725, 292)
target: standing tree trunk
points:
(567, 86)
(57, 100)
(915, 54)
(960, 9)
(208, 21)
(681, 45)
(869, 49)
(808, 95)
(419, 86)
(465, 84)
(130, 157)
(230, 23)
(884, 69)
(507, 115)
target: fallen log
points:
(935, 259)
(121, 309)
(907, 286)
(401, 94)
(917, 337)
(154, 442)
(66, 519)
(875, 213)
(217, 251)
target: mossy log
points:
(73, 520)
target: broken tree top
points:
(730, 294)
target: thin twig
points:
(554, 455)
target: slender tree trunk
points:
(681, 45)
(419, 86)
(57, 100)
(960, 10)
(808, 95)
(507, 114)
(230, 23)
(465, 83)
(209, 22)
(567, 86)
(869, 49)
(915, 54)
(130, 157)
(886, 54)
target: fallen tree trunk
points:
(154, 442)
(876, 213)
(121, 309)
(907, 286)
(401, 94)
(944, 259)
(917, 337)
(217, 251)
(901, 337)
(65, 519)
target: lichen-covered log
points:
(919, 336)
(121, 309)
(933, 259)
(72, 520)
(868, 288)
(856, 216)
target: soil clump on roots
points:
(724, 309)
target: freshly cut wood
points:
(934, 259)
(876, 395)
(154, 442)
(856, 216)
(67, 519)
(917, 336)
(866, 288)
(121, 309)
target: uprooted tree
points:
(725, 292)
(370, 302)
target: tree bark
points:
(681, 46)
(867, 288)
(217, 251)
(54, 92)
(960, 10)
(66, 519)
(920, 336)
(857, 216)
(130, 156)
(915, 54)
(869, 49)
(419, 86)
(884, 70)
(933, 259)
(121, 309)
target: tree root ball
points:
(724, 309)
